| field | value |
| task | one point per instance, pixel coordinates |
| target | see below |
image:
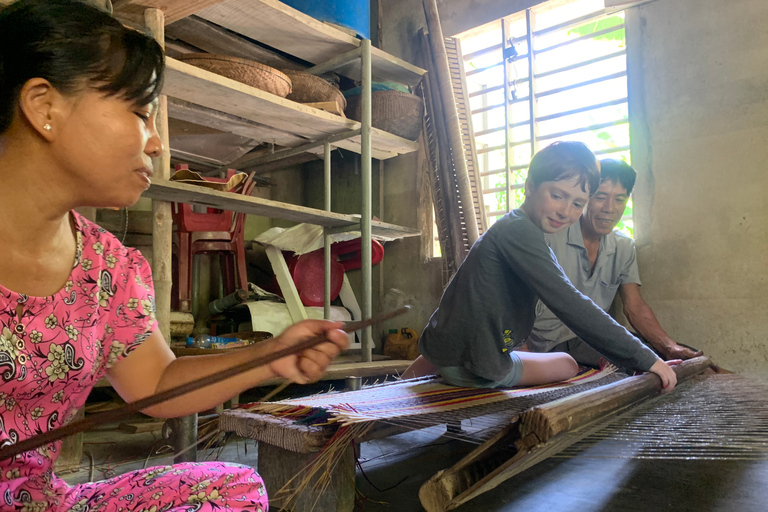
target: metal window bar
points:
(501, 146)
(570, 23)
(499, 171)
(597, 80)
(533, 95)
(541, 119)
(549, 92)
(501, 128)
(580, 38)
(570, 67)
(584, 129)
(492, 48)
(499, 105)
(513, 186)
(505, 67)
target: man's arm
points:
(642, 319)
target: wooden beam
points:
(163, 221)
(172, 9)
(549, 420)
(214, 39)
(185, 111)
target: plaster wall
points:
(698, 103)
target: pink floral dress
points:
(52, 352)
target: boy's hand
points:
(667, 374)
(309, 365)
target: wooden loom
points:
(539, 433)
(533, 434)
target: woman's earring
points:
(47, 127)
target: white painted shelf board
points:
(200, 87)
(280, 26)
(184, 193)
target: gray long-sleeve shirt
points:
(488, 307)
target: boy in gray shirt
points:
(488, 308)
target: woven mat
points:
(410, 398)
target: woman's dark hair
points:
(563, 160)
(618, 171)
(74, 45)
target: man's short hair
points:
(563, 160)
(618, 171)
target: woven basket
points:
(243, 70)
(313, 89)
(395, 112)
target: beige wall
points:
(699, 117)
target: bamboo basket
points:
(395, 112)
(246, 71)
(309, 88)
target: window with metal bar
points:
(556, 71)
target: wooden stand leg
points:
(71, 450)
(278, 466)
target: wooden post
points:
(452, 124)
(161, 210)
(279, 467)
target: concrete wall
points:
(401, 19)
(699, 119)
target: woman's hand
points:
(309, 365)
(667, 374)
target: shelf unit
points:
(216, 101)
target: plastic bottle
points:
(206, 340)
(402, 344)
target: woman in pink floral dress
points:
(77, 128)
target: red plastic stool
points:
(307, 270)
(211, 232)
(350, 253)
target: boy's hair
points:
(74, 45)
(563, 160)
(618, 171)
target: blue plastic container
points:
(354, 14)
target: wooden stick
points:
(549, 420)
(183, 389)
(452, 124)
(162, 232)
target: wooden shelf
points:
(275, 24)
(281, 118)
(184, 193)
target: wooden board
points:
(185, 111)
(280, 26)
(183, 193)
(197, 86)
(214, 39)
(173, 9)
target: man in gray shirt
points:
(599, 262)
